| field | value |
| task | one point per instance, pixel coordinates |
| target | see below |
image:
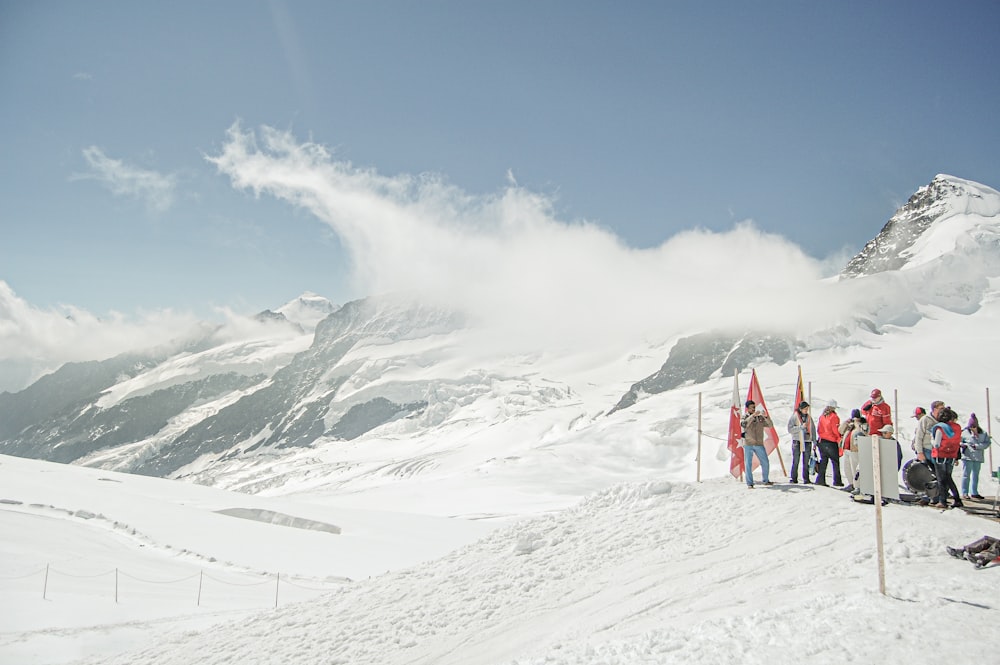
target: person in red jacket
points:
(946, 449)
(877, 412)
(828, 432)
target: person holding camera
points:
(754, 423)
(974, 442)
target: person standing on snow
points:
(946, 449)
(829, 451)
(803, 431)
(923, 439)
(754, 424)
(877, 412)
(974, 442)
(849, 429)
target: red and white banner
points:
(736, 464)
(770, 434)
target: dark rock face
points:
(72, 385)
(83, 428)
(362, 418)
(887, 250)
(696, 359)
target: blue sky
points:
(814, 120)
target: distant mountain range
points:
(391, 376)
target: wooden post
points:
(698, 473)
(877, 471)
(989, 432)
(201, 577)
(781, 460)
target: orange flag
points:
(800, 394)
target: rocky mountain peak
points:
(946, 196)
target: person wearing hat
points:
(889, 432)
(828, 431)
(854, 427)
(923, 439)
(877, 411)
(974, 442)
(946, 448)
(803, 431)
(754, 423)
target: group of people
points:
(939, 442)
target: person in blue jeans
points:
(803, 431)
(974, 442)
(753, 424)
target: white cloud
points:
(35, 341)
(122, 179)
(507, 261)
(83, 76)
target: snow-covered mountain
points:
(345, 448)
(948, 215)
(390, 393)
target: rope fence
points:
(66, 582)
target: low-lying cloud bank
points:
(35, 341)
(512, 266)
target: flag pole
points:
(989, 431)
(698, 474)
(781, 460)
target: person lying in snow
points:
(981, 553)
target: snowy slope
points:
(649, 572)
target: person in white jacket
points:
(803, 431)
(849, 429)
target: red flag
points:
(736, 465)
(770, 434)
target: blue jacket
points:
(973, 445)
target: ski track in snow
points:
(655, 572)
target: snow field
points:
(648, 572)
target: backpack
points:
(951, 440)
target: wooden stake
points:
(877, 471)
(989, 432)
(698, 474)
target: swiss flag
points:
(770, 434)
(736, 464)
